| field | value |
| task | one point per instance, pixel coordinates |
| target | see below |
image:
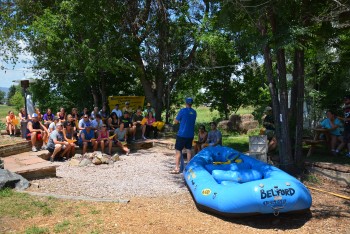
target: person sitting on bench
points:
(57, 143)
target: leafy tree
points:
(12, 91)
(9, 46)
(79, 46)
(2, 96)
(163, 36)
(282, 31)
(17, 100)
(219, 73)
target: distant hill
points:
(6, 90)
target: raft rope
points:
(334, 194)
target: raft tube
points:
(229, 183)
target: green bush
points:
(17, 100)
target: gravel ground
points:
(142, 173)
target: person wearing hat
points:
(36, 131)
(269, 125)
(149, 108)
(127, 108)
(187, 119)
(52, 126)
(57, 143)
(117, 111)
(202, 138)
(87, 138)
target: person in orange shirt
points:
(11, 122)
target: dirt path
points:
(177, 213)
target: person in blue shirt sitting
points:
(332, 124)
(86, 138)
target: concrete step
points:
(29, 165)
(15, 148)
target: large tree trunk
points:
(284, 143)
(270, 79)
(298, 149)
(154, 85)
(293, 100)
(279, 103)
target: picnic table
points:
(317, 139)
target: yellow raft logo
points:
(206, 192)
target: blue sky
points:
(10, 74)
(19, 71)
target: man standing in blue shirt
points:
(187, 118)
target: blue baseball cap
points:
(34, 115)
(88, 124)
(189, 100)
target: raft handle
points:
(276, 210)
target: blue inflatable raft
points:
(229, 183)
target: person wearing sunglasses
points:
(83, 122)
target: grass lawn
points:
(59, 216)
(204, 115)
(4, 109)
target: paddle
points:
(228, 160)
(111, 137)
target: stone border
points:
(16, 148)
(336, 172)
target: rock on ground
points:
(12, 180)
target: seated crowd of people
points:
(61, 132)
